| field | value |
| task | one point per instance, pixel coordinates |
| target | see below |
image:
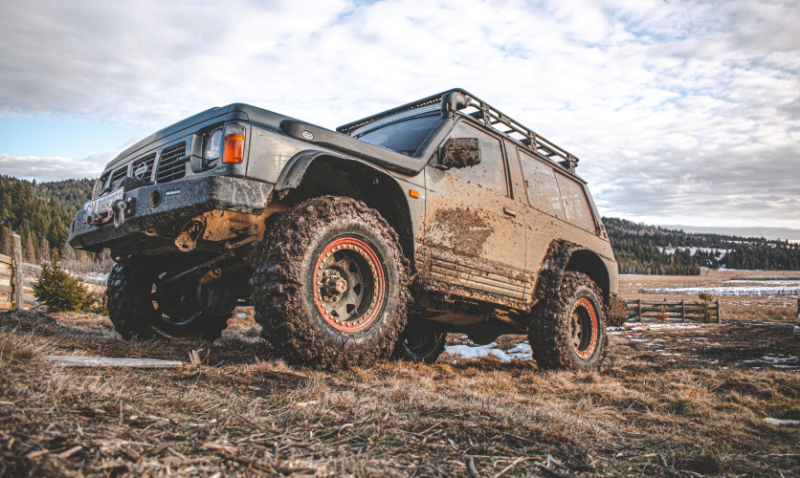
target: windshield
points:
(404, 137)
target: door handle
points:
(509, 212)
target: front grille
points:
(118, 174)
(172, 164)
(148, 163)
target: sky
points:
(682, 112)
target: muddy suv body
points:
(438, 216)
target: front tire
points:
(331, 284)
(569, 330)
(129, 306)
(138, 310)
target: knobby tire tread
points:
(549, 335)
(280, 306)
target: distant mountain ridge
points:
(648, 249)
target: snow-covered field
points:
(736, 287)
(728, 291)
(692, 346)
(672, 250)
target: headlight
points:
(213, 146)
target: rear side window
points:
(540, 181)
(575, 204)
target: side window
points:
(541, 183)
(575, 203)
(490, 173)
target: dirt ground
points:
(680, 400)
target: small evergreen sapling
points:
(702, 307)
(59, 291)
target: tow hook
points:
(121, 208)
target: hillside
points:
(69, 193)
(42, 222)
(645, 249)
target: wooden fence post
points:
(640, 310)
(719, 313)
(18, 291)
(683, 311)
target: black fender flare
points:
(553, 267)
(295, 169)
(562, 256)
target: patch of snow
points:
(639, 327)
(782, 423)
(762, 281)
(97, 275)
(521, 351)
(773, 359)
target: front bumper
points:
(180, 200)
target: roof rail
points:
(482, 112)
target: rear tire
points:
(420, 343)
(330, 284)
(569, 330)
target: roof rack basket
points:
(481, 111)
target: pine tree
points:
(30, 253)
(59, 291)
(69, 252)
(44, 250)
(6, 244)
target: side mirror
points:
(460, 153)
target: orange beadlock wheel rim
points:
(584, 328)
(349, 285)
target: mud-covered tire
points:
(286, 297)
(420, 343)
(551, 330)
(131, 309)
(129, 306)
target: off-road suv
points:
(442, 215)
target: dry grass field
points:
(671, 401)
(764, 308)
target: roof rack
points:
(482, 112)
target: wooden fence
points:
(17, 279)
(672, 311)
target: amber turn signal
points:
(414, 194)
(233, 151)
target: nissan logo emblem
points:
(140, 171)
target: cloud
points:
(53, 168)
(676, 109)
